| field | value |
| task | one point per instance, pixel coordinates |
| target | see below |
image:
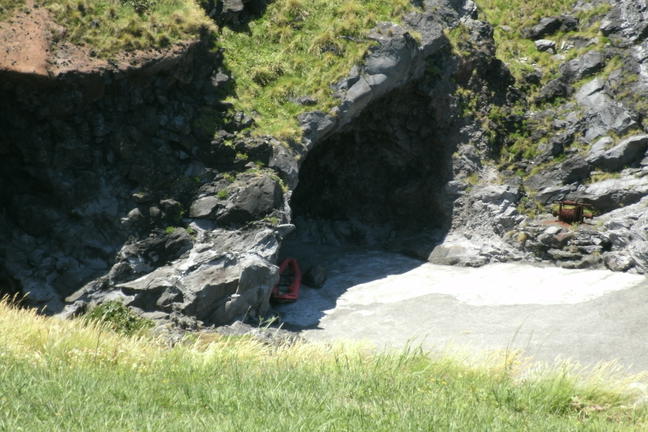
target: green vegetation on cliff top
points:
(111, 26)
(69, 375)
(8, 6)
(298, 49)
(509, 18)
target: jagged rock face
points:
(112, 182)
(551, 25)
(76, 151)
(377, 171)
(627, 20)
(99, 175)
(628, 152)
(605, 114)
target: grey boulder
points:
(627, 229)
(545, 45)
(628, 152)
(550, 25)
(628, 20)
(315, 276)
(249, 198)
(605, 114)
(611, 194)
(581, 67)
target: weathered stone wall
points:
(98, 171)
(82, 150)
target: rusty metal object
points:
(572, 211)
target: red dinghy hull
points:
(293, 289)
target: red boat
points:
(287, 290)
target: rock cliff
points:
(140, 184)
(99, 170)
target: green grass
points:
(8, 6)
(67, 375)
(299, 48)
(520, 54)
(117, 317)
(109, 27)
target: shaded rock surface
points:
(378, 170)
(628, 152)
(113, 187)
(123, 191)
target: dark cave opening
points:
(381, 179)
(370, 194)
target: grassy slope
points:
(298, 48)
(112, 26)
(60, 375)
(8, 6)
(521, 55)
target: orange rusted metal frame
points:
(571, 215)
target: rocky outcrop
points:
(596, 153)
(133, 184)
(114, 187)
(603, 112)
(626, 228)
(630, 151)
(563, 246)
(250, 197)
(483, 215)
(224, 275)
(606, 195)
(372, 174)
(377, 167)
(588, 64)
(395, 60)
(550, 25)
(627, 22)
(590, 148)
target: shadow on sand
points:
(346, 267)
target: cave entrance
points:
(380, 182)
(371, 201)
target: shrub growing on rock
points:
(119, 318)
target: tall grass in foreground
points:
(299, 48)
(65, 375)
